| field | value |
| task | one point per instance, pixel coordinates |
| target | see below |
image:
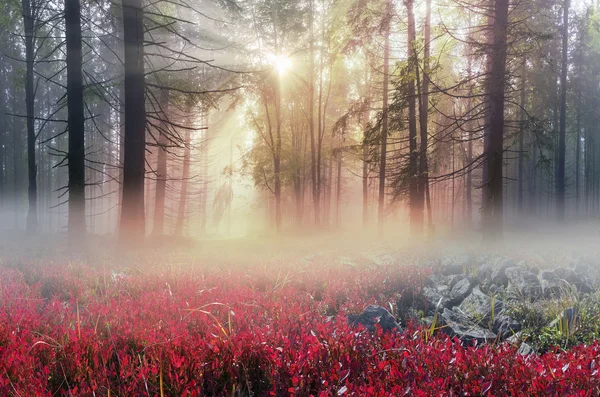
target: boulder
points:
(553, 286)
(506, 326)
(372, 315)
(456, 264)
(478, 307)
(525, 350)
(498, 275)
(523, 283)
(459, 325)
(446, 291)
(588, 276)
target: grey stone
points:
(506, 326)
(523, 283)
(588, 275)
(478, 306)
(372, 315)
(446, 291)
(553, 286)
(456, 264)
(457, 324)
(498, 275)
(525, 350)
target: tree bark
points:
(385, 119)
(492, 205)
(28, 23)
(132, 215)
(184, 186)
(424, 112)
(311, 116)
(415, 204)
(76, 121)
(560, 173)
(522, 136)
(161, 171)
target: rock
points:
(459, 325)
(498, 275)
(372, 315)
(588, 275)
(456, 265)
(478, 307)
(484, 273)
(446, 291)
(515, 339)
(506, 326)
(523, 283)
(525, 350)
(553, 286)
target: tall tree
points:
(496, 82)
(415, 200)
(385, 115)
(560, 173)
(158, 223)
(76, 120)
(29, 15)
(132, 226)
(423, 118)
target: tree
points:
(496, 81)
(132, 214)
(76, 121)
(30, 10)
(560, 174)
(385, 115)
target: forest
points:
(416, 115)
(299, 197)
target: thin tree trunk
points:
(384, 123)
(28, 23)
(578, 155)
(132, 215)
(415, 205)
(469, 182)
(365, 173)
(184, 186)
(560, 174)
(522, 136)
(492, 206)
(311, 115)
(423, 118)
(161, 170)
(76, 121)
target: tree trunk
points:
(492, 206)
(365, 172)
(424, 163)
(338, 191)
(184, 186)
(578, 154)
(161, 170)
(560, 174)
(76, 121)
(3, 130)
(384, 123)
(522, 137)
(471, 132)
(415, 204)
(132, 215)
(28, 23)
(311, 116)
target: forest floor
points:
(257, 316)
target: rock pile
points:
(471, 299)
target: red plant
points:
(227, 333)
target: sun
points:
(281, 63)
